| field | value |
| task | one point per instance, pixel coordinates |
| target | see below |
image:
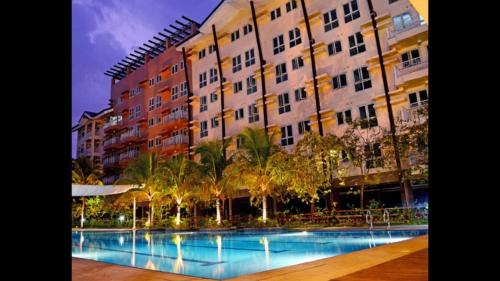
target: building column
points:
(221, 80)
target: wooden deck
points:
(411, 267)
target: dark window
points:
(334, 48)
(238, 87)
(304, 127)
(300, 94)
(295, 38)
(281, 73)
(276, 14)
(356, 44)
(368, 116)
(351, 11)
(247, 29)
(339, 81)
(297, 63)
(362, 79)
(278, 44)
(291, 5)
(235, 35)
(330, 20)
(286, 135)
(284, 103)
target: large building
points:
(272, 64)
(149, 91)
(90, 134)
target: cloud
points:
(116, 20)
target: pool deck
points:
(405, 260)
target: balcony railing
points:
(179, 139)
(393, 31)
(410, 66)
(113, 122)
(110, 160)
(176, 116)
(130, 134)
(111, 141)
(415, 113)
(129, 155)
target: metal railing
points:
(179, 139)
(176, 116)
(130, 134)
(415, 112)
(410, 66)
(393, 31)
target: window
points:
(295, 38)
(213, 97)
(278, 44)
(239, 114)
(201, 54)
(251, 85)
(151, 143)
(392, 1)
(351, 11)
(182, 64)
(238, 87)
(368, 116)
(158, 101)
(203, 79)
(184, 88)
(203, 104)
(249, 58)
(158, 78)
(373, 155)
(297, 63)
(284, 103)
(158, 141)
(214, 122)
(291, 5)
(253, 113)
(151, 122)
(340, 81)
(203, 129)
(247, 29)
(174, 69)
(137, 110)
(175, 93)
(334, 48)
(300, 94)
(211, 49)
(286, 135)
(235, 35)
(344, 117)
(356, 44)
(151, 104)
(402, 21)
(275, 13)
(239, 141)
(213, 75)
(410, 58)
(237, 63)
(331, 21)
(418, 99)
(131, 113)
(304, 126)
(158, 121)
(151, 82)
(362, 79)
(281, 74)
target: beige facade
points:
(90, 134)
(403, 38)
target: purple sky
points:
(105, 31)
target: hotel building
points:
(90, 134)
(296, 66)
(149, 91)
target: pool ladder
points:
(387, 219)
(369, 219)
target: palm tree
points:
(85, 172)
(144, 171)
(213, 164)
(260, 164)
(181, 177)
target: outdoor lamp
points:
(121, 218)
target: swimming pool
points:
(225, 254)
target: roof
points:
(91, 115)
(78, 190)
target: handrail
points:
(387, 218)
(369, 219)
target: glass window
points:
(362, 79)
(330, 20)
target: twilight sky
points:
(105, 31)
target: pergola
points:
(78, 190)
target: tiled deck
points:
(406, 260)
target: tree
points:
(260, 164)
(181, 177)
(313, 166)
(364, 143)
(144, 171)
(213, 164)
(86, 172)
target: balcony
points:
(412, 70)
(174, 144)
(112, 143)
(124, 157)
(407, 35)
(178, 115)
(111, 161)
(130, 136)
(113, 124)
(416, 113)
(393, 32)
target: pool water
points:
(226, 254)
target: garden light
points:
(121, 218)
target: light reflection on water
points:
(224, 254)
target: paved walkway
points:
(406, 260)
